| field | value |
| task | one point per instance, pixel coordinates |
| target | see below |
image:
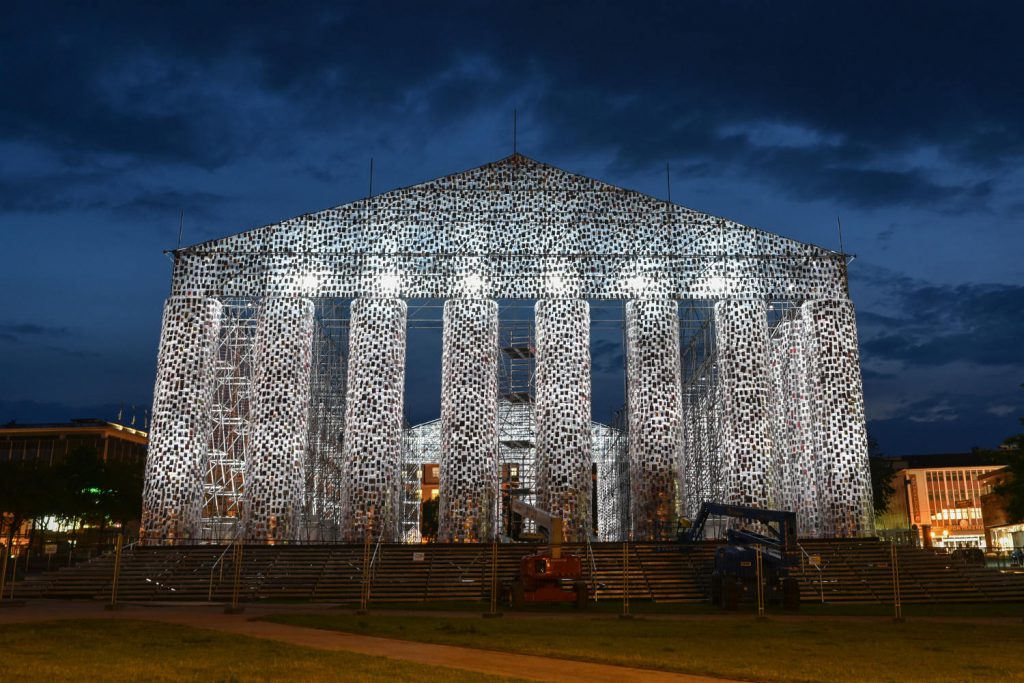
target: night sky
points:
(904, 119)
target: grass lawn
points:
(813, 650)
(125, 650)
(641, 607)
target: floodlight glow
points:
(390, 283)
(637, 283)
(249, 347)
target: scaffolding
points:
(517, 449)
(224, 477)
(323, 465)
(223, 484)
(700, 477)
(610, 507)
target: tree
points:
(882, 471)
(26, 492)
(96, 491)
(1011, 452)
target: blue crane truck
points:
(735, 568)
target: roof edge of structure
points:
(515, 158)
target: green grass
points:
(125, 650)
(642, 607)
(808, 650)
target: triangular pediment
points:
(518, 206)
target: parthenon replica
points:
(278, 411)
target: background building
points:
(1001, 532)
(939, 498)
(74, 483)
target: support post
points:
(741, 334)
(469, 421)
(364, 586)
(759, 556)
(236, 585)
(897, 599)
(275, 461)
(493, 612)
(373, 417)
(10, 601)
(172, 497)
(625, 586)
(655, 415)
(837, 405)
(796, 459)
(562, 413)
(118, 545)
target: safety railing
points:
(804, 555)
(219, 562)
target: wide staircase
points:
(831, 571)
(863, 571)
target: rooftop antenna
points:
(840, 224)
(181, 225)
(668, 181)
(515, 131)
(371, 177)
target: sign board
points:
(419, 557)
(815, 560)
(50, 549)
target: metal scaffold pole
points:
(625, 577)
(897, 602)
(118, 546)
(236, 585)
(364, 593)
(759, 555)
(493, 611)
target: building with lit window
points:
(51, 443)
(1001, 531)
(48, 445)
(939, 498)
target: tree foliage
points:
(80, 488)
(1011, 452)
(26, 492)
(882, 471)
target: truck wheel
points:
(716, 590)
(731, 594)
(582, 594)
(518, 595)
(790, 594)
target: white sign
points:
(50, 549)
(419, 557)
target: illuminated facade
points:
(940, 498)
(743, 375)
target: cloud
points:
(932, 325)
(606, 356)
(701, 84)
(17, 331)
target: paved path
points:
(469, 659)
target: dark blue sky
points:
(906, 119)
